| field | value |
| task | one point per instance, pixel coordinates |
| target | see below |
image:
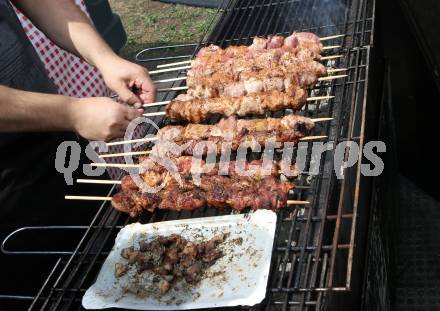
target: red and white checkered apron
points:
(71, 75)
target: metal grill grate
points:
(314, 244)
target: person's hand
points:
(100, 118)
(129, 80)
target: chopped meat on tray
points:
(171, 258)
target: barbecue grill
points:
(319, 248)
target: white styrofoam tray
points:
(238, 278)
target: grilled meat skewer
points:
(231, 131)
(215, 191)
(280, 77)
(227, 190)
(157, 174)
(301, 45)
(200, 110)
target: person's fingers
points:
(126, 95)
(148, 97)
(121, 132)
(131, 114)
(147, 88)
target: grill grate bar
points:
(344, 182)
(308, 234)
(240, 21)
(264, 22)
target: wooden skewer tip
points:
(169, 70)
(331, 47)
(115, 165)
(140, 140)
(331, 37)
(307, 138)
(98, 181)
(174, 64)
(331, 57)
(157, 103)
(171, 89)
(170, 80)
(297, 202)
(113, 155)
(332, 77)
(155, 114)
(87, 198)
(320, 98)
(321, 120)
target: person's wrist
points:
(106, 60)
(73, 113)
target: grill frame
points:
(75, 271)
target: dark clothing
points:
(26, 159)
(31, 190)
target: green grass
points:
(151, 23)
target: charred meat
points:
(233, 131)
(171, 258)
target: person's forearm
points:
(65, 24)
(22, 111)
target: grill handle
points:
(7, 251)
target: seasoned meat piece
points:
(253, 85)
(168, 267)
(190, 250)
(259, 44)
(182, 259)
(164, 286)
(163, 240)
(211, 256)
(120, 270)
(128, 184)
(126, 252)
(134, 202)
(291, 42)
(171, 255)
(310, 41)
(157, 250)
(144, 266)
(275, 42)
(233, 90)
(160, 270)
(176, 199)
(192, 273)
